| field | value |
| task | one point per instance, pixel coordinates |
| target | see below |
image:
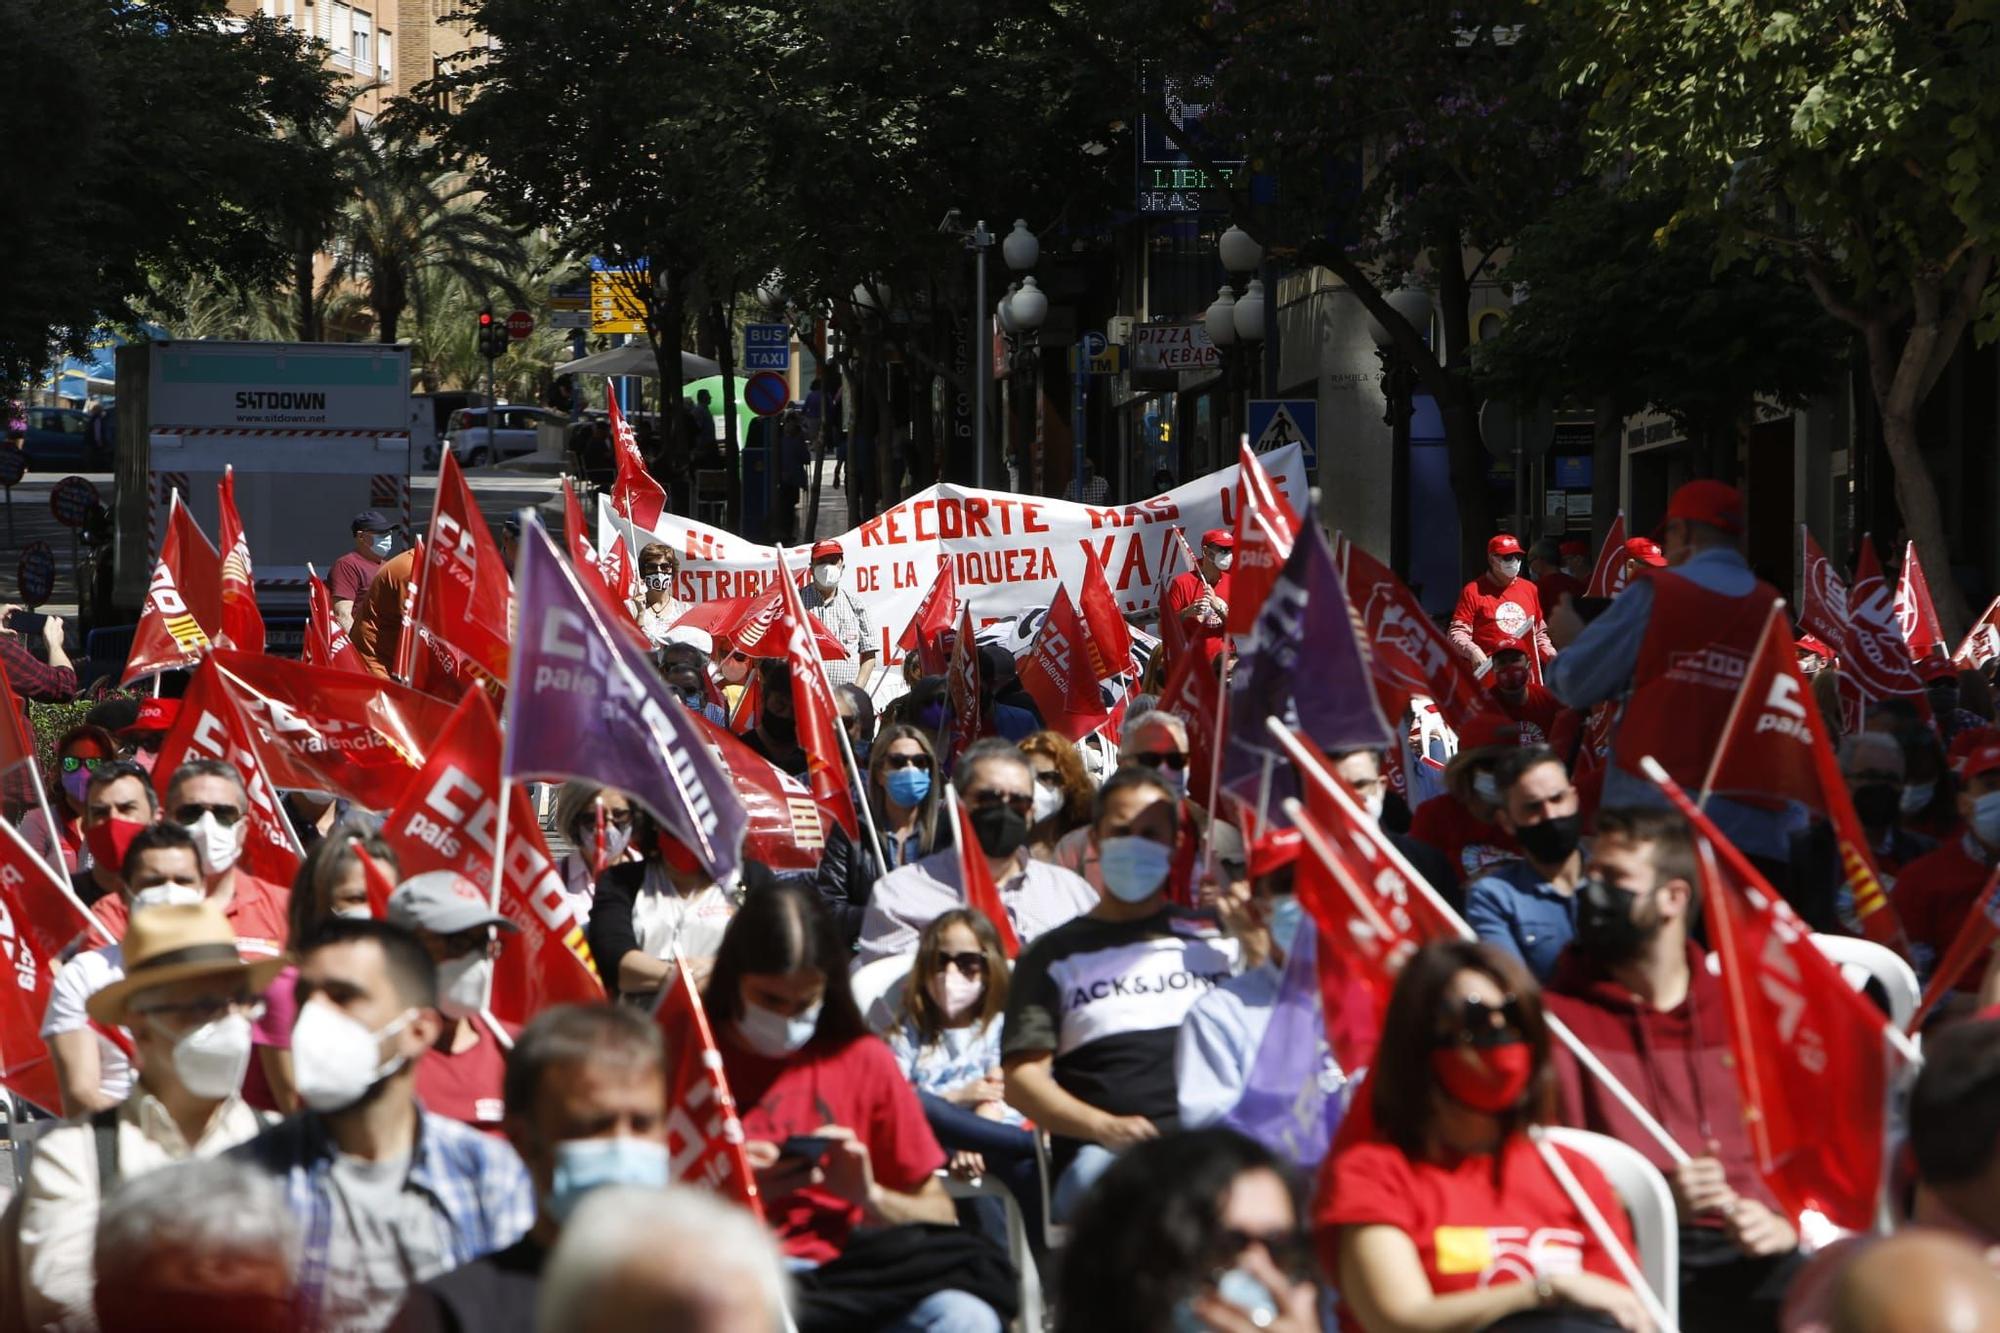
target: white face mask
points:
(827, 576)
(1373, 805)
(772, 1035)
(1223, 560)
(358, 912)
(659, 582)
(167, 895)
(955, 994)
(211, 1060)
(463, 983)
(616, 840)
(1048, 800)
(382, 545)
(1508, 568)
(336, 1059)
(219, 846)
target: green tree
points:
(144, 144)
(1857, 142)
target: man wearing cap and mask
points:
(842, 615)
(1678, 640)
(188, 1000)
(460, 1075)
(1638, 993)
(997, 785)
(1499, 608)
(1540, 716)
(374, 538)
(1937, 892)
(1199, 599)
(385, 1193)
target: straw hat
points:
(168, 944)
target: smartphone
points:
(806, 1147)
(27, 624)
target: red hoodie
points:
(1677, 1064)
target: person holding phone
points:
(50, 682)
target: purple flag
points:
(1294, 1098)
(1306, 667)
(584, 702)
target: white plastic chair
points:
(877, 986)
(1031, 1317)
(1862, 961)
(1055, 1235)
(1648, 1201)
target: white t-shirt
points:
(662, 918)
(80, 978)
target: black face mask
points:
(1001, 829)
(1878, 804)
(1606, 930)
(1551, 841)
(778, 729)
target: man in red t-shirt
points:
(1199, 599)
(1460, 824)
(1552, 583)
(1937, 892)
(1539, 714)
(1499, 608)
(461, 1075)
(207, 798)
(351, 574)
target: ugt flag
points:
(584, 703)
(1291, 1101)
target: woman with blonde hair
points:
(905, 792)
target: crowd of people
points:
(1013, 1021)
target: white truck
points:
(317, 432)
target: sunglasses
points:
(72, 762)
(471, 940)
(191, 813)
(1289, 1250)
(922, 761)
(656, 569)
(1482, 1025)
(1174, 759)
(969, 965)
(980, 800)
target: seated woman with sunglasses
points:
(1449, 1220)
(656, 608)
(903, 791)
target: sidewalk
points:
(833, 518)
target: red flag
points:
(976, 878)
(381, 884)
(590, 571)
(1774, 749)
(1874, 652)
(1976, 937)
(785, 831)
(1982, 641)
(1265, 529)
(40, 917)
(1057, 676)
(934, 619)
(967, 722)
(1107, 637)
(1194, 695)
(464, 609)
(1803, 1040)
(743, 718)
(1915, 615)
(448, 819)
(1608, 575)
(1372, 910)
(320, 729)
(242, 622)
(1173, 638)
(813, 707)
(704, 1135)
(746, 623)
(1407, 654)
(634, 493)
(1823, 611)
(326, 643)
(213, 725)
(183, 611)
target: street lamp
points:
(1239, 251)
(1399, 386)
(1220, 318)
(1021, 313)
(1020, 248)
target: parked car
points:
(59, 440)
(435, 411)
(515, 432)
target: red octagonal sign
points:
(520, 324)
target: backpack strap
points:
(104, 1130)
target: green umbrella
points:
(744, 416)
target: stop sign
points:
(520, 324)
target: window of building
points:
(341, 36)
(363, 41)
(385, 42)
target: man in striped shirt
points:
(842, 615)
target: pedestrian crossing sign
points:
(1276, 422)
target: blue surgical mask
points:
(1917, 797)
(382, 545)
(1986, 819)
(1133, 868)
(583, 1165)
(907, 787)
(774, 1036)
(1286, 916)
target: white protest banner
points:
(1009, 552)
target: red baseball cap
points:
(1818, 648)
(1646, 551)
(1573, 548)
(1220, 537)
(1275, 850)
(1980, 757)
(1505, 544)
(1714, 503)
(1936, 667)
(154, 715)
(827, 550)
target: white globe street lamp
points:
(1249, 313)
(1239, 251)
(1220, 318)
(1020, 248)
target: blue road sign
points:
(1276, 422)
(767, 347)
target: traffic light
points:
(493, 339)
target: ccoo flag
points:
(1057, 673)
(584, 703)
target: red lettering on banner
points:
(1134, 569)
(1229, 507)
(865, 579)
(1101, 517)
(894, 520)
(1031, 518)
(1160, 509)
(918, 513)
(871, 531)
(975, 519)
(903, 575)
(951, 519)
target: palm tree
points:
(406, 222)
